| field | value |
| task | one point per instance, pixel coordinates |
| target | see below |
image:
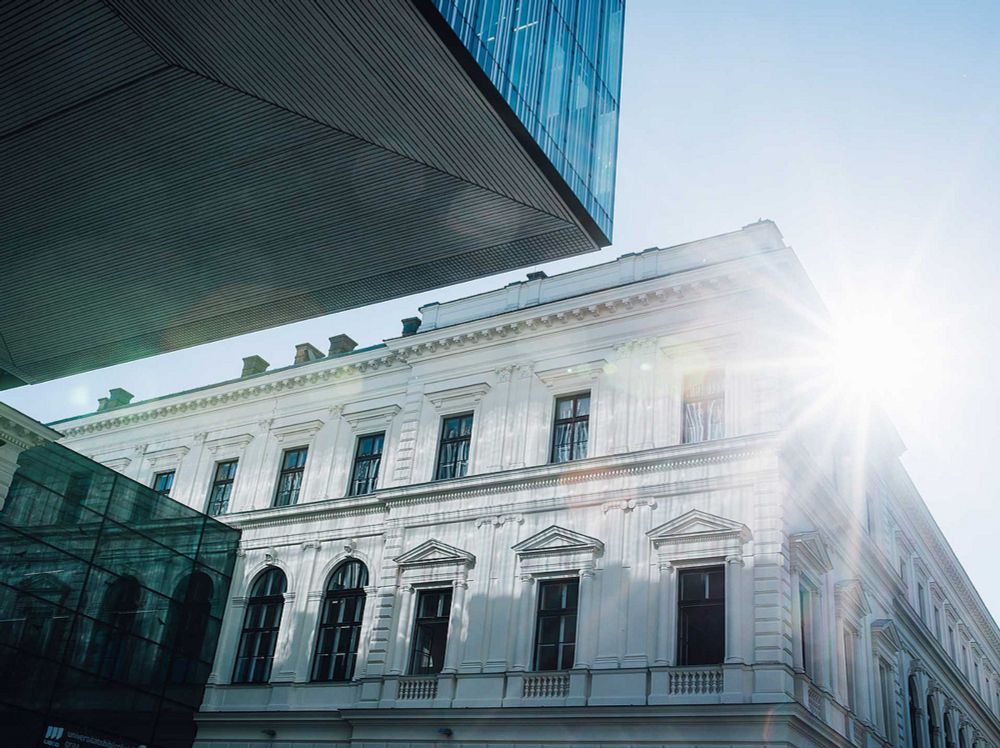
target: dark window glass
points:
(222, 487)
(340, 623)
(113, 642)
(914, 701)
(704, 407)
(163, 482)
(555, 635)
(187, 625)
(260, 628)
(805, 627)
(453, 452)
(572, 428)
(293, 464)
(367, 460)
(701, 638)
(850, 636)
(430, 631)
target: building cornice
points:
(520, 479)
(23, 432)
(636, 297)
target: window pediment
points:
(697, 534)
(851, 599)
(301, 431)
(809, 552)
(556, 549)
(565, 378)
(169, 456)
(435, 553)
(229, 443)
(370, 419)
(458, 398)
(886, 637)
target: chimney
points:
(342, 344)
(410, 326)
(117, 398)
(306, 352)
(537, 275)
(253, 365)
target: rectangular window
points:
(571, 430)
(163, 482)
(430, 631)
(453, 450)
(888, 702)
(704, 406)
(555, 634)
(222, 487)
(850, 637)
(367, 459)
(805, 625)
(701, 635)
(293, 464)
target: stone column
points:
(587, 623)
(863, 665)
(666, 608)
(523, 624)
(456, 631)
(798, 644)
(734, 609)
(405, 597)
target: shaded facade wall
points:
(111, 598)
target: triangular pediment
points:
(698, 524)
(851, 598)
(557, 539)
(809, 550)
(433, 552)
(884, 634)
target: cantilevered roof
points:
(175, 173)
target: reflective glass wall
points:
(558, 65)
(111, 602)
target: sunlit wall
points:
(558, 65)
(111, 600)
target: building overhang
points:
(180, 173)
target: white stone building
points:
(618, 506)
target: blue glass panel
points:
(558, 64)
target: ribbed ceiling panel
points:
(178, 173)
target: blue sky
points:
(868, 132)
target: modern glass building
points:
(558, 65)
(111, 600)
(177, 173)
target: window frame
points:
(686, 400)
(421, 593)
(359, 595)
(290, 472)
(682, 657)
(573, 422)
(358, 458)
(172, 472)
(263, 601)
(561, 614)
(443, 441)
(227, 482)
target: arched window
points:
(340, 623)
(112, 635)
(260, 628)
(190, 611)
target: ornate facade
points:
(597, 508)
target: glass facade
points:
(111, 602)
(557, 63)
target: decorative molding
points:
(569, 377)
(886, 635)
(370, 419)
(557, 550)
(169, 456)
(628, 505)
(851, 599)
(297, 431)
(499, 520)
(458, 398)
(118, 464)
(435, 553)
(229, 443)
(809, 552)
(23, 432)
(698, 535)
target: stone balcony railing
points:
(546, 686)
(417, 689)
(695, 681)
